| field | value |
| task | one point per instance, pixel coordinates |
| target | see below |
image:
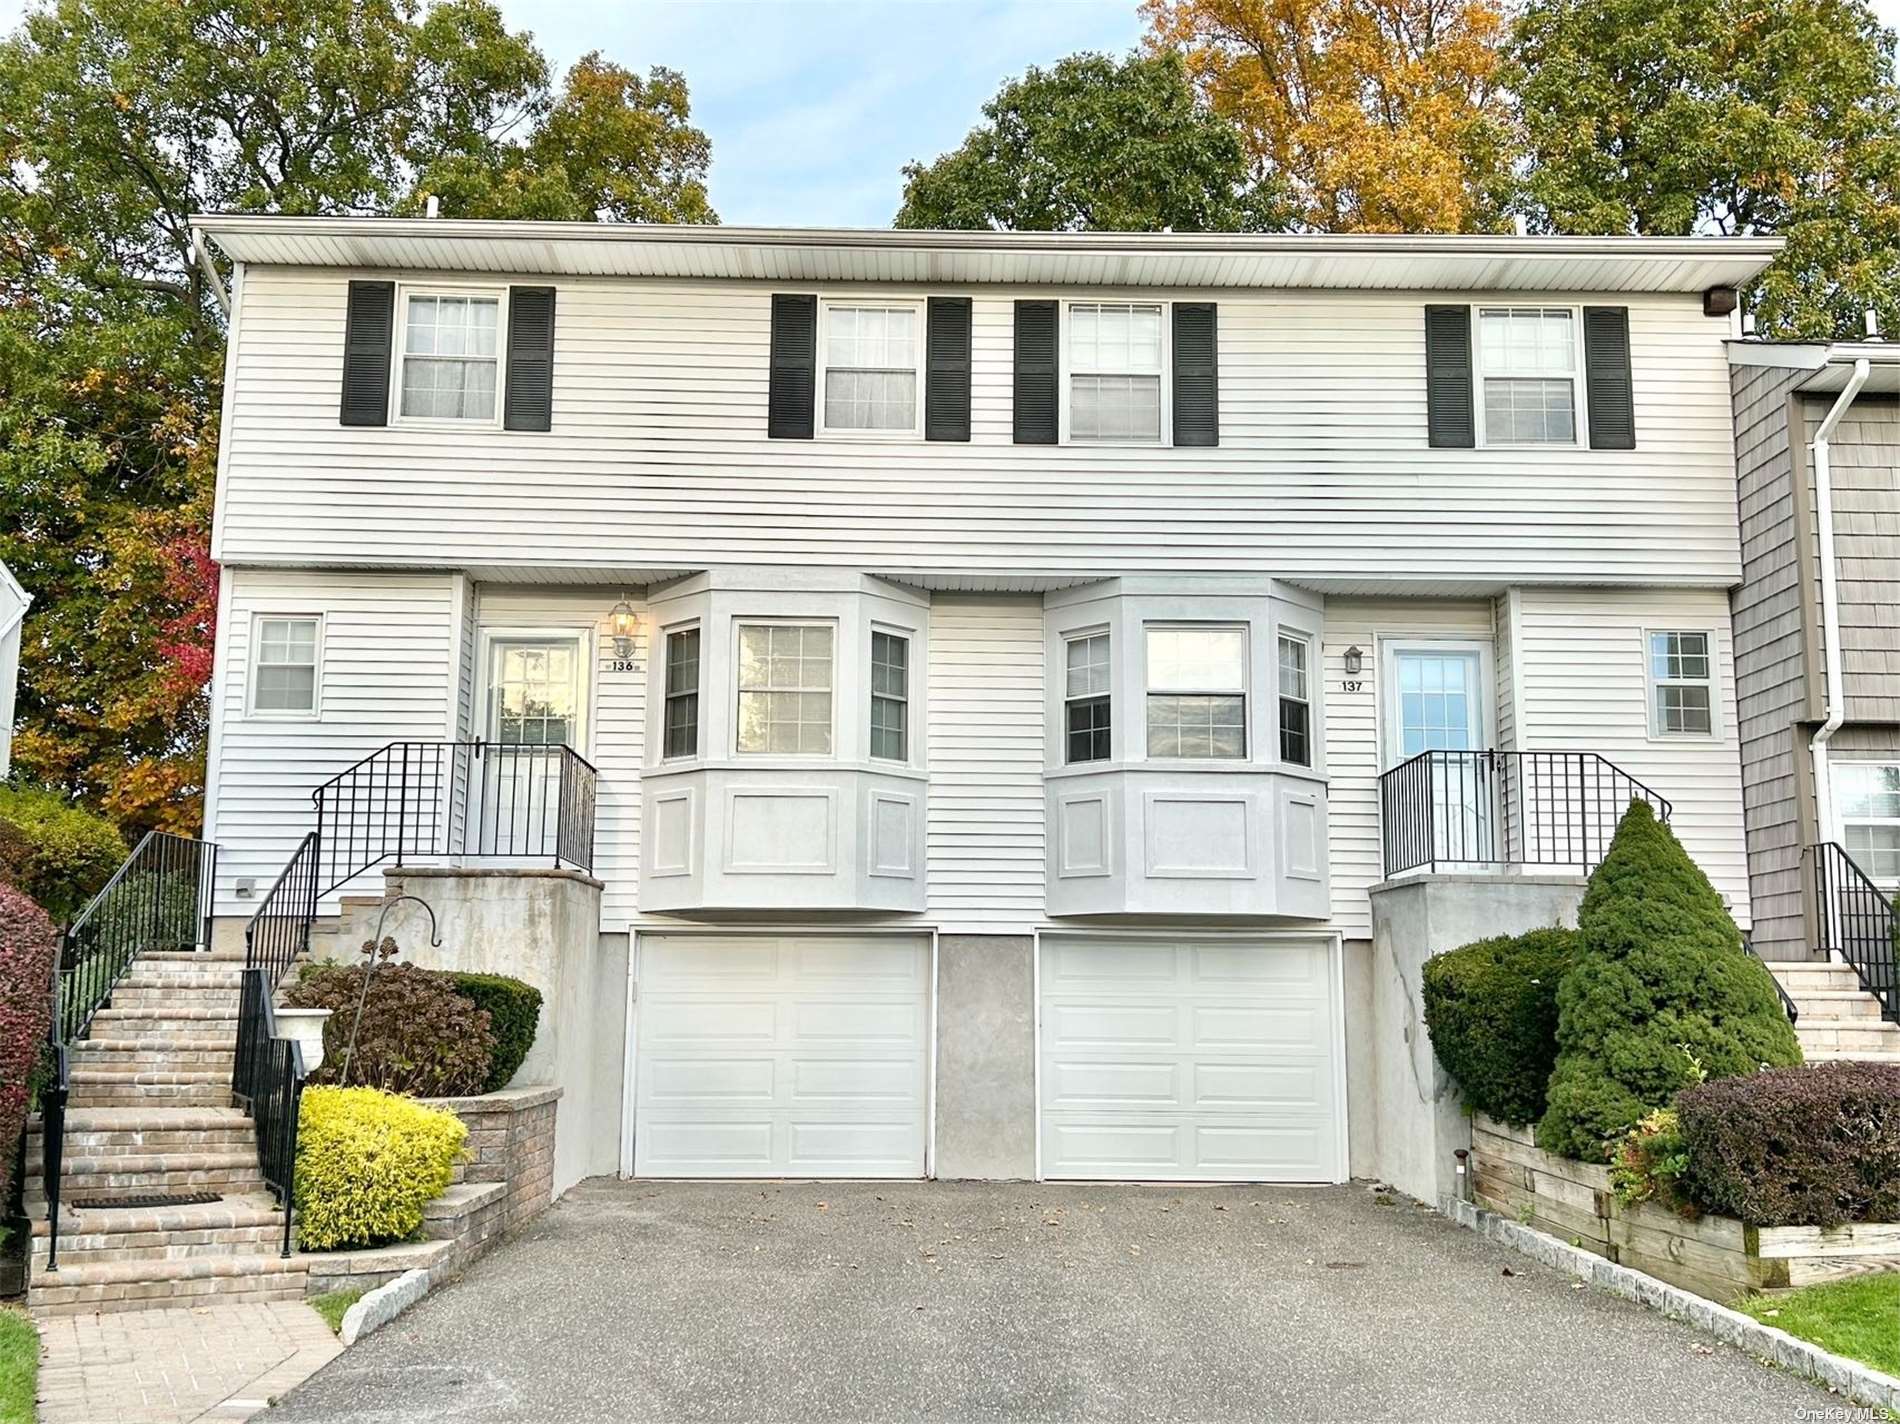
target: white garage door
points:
(781, 1055)
(1189, 1060)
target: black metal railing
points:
(1856, 919)
(1464, 808)
(158, 900)
(280, 930)
(419, 801)
(267, 1081)
(1788, 1005)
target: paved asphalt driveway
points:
(948, 1301)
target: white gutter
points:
(1835, 701)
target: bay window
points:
(1296, 712)
(890, 696)
(1197, 691)
(785, 688)
(681, 738)
(1087, 717)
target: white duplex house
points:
(947, 704)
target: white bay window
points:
(1197, 692)
(785, 680)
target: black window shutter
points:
(947, 374)
(1448, 408)
(1036, 375)
(530, 400)
(368, 322)
(794, 382)
(1606, 373)
(1196, 374)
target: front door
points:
(1435, 705)
(534, 709)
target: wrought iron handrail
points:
(267, 1080)
(1788, 1005)
(419, 800)
(1857, 920)
(280, 930)
(1482, 808)
(159, 899)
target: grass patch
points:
(1857, 1318)
(331, 1305)
(19, 1367)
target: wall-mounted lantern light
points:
(625, 623)
(1355, 660)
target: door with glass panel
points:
(1435, 706)
(534, 709)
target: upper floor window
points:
(1115, 360)
(1296, 711)
(1681, 685)
(681, 736)
(1085, 699)
(284, 667)
(1867, 798)
(871, 368)
(451, 356)
(785, 688)
(890, 696)
(1197, 691)
(1527, 357)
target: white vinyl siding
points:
(659, 458)
(390, 664)
(986, 808)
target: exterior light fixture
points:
(625, 623)
(1355, 660)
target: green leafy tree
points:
(1660, 995)
(1728, 116)
(1094, 143)
(119, 119)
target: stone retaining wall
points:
(510, 1140)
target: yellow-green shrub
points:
(367, 1161)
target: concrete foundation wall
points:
(1418, 1120)
(1361, 1098)
(986, 1057)
(541, 926)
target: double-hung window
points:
(1527, 358)
(1085, 700)
(785, 688)
(681, 737)
(871, 368)
(1197, 691)
(284, 667)
(451, 356)
(1867, 800)
(1296, 708)
(890, 696)
(1681, 685)
(1115, 359)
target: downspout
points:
(1835, 701)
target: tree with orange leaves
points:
(1376, 115)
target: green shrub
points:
(418, 1035)
(1815, 1145)
(514, 1012)
(367, 1163)
(1492, 1011)
(57, 853)
(1661, 994)
(1649, 1163)
(28, 943)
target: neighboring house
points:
(14, 601)
(1817, 651)
(989, 676)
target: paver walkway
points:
(215, 1362)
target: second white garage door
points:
(781, 1055)
(1189, 1060)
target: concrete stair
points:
(1839, 1019)
(150, 1112)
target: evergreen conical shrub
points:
(1661, 994)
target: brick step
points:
(140, 1041)
(148, 1285)
(148, 1142)
(1845, 1034)
(112, 1058)
(1837, 1004)
(184, 996)
(180, 1087)
(172, 983)
(239, 1225)
(1799, 978)
(185, 1020)
(136, 1174)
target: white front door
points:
(1189, 1060)
(534, 708)
(800, 1055)
(1435, 703)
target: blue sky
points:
(813, 106)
